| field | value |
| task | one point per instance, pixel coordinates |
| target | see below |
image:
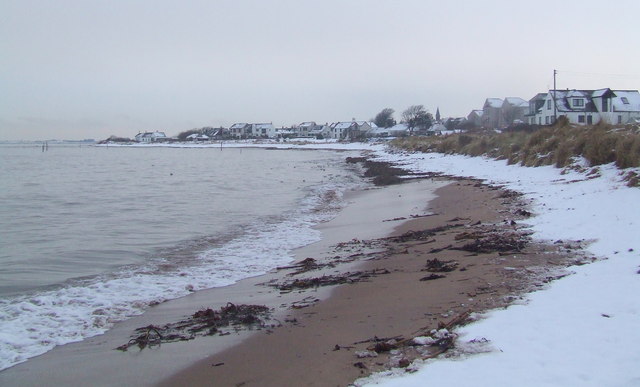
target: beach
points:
(401, 260)
(385, 237)
(323, 342)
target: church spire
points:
(438, 114)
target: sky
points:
(77, 69)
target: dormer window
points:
(624, 100)
(578, 102)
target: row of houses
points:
(582, 107)
(338, 130)
(345, 130)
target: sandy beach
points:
(329, 343)
(396, 266)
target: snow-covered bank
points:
(582, 329)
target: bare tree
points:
(417, 117)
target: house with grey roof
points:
(240, 130)
(148, 137)
(491, 113)
(475, 117)
(513, 111)
(349, 130)
(586, 107)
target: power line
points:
(600, 74)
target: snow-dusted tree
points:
(384, 119)
(417, 117)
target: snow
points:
(632, 97)
(582, 330)
(493, 102)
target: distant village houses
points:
(148, 137)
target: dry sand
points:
(316, 345)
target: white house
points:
(148, 137)
(240, 130)
(263, 130)
(617, 106)
(349, 130)
(586, 107)
(536, 104)
(305, 128)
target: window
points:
(546, 120)
(619, 119)
(578, 102)
(549, 105)
(625, 100)
(581, 119)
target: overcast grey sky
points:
(90, 69)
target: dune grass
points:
(559, 145)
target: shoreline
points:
(89, 358)
(322, 342)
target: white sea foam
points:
(32, 325)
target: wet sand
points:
(316, 341)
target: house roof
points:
(563, 104)
(493, 102)
(344, 124)
(307, 124)
(239, 125)
(263, 126)
(516, 101)
(626, 100)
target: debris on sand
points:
(205, 322)
(437, 266)
(489, 241)
(326, 280)
(432, 277)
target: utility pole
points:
(553, 97)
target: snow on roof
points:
(516, 101)
(239, 125)
(263, 126)
(578, 94)
(539, 96)
(437, 127)
(479, 113)
(307, 124)
(398, 128)
(493, 102)
(344, 125)
(600, 92)
(626, 100)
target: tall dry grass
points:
(558, 145)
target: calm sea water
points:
(92, 235)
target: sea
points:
(93, 235)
